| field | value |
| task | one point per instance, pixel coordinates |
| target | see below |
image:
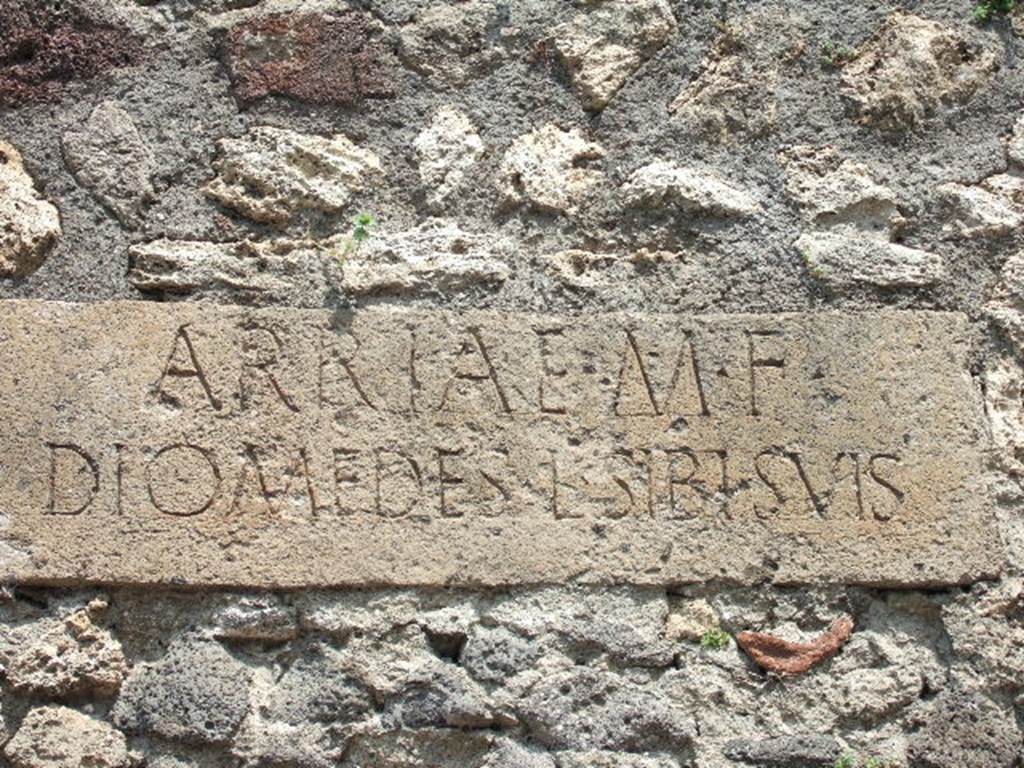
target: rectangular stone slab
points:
(189, 444)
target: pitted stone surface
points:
(59, 737)
(834, 191)
(690, 620)
(608, 41)
(437, 257)
(584, 707)
(257, 273)
(751, 93)
(434, 258)
(45, 48)
(108, 156)
(447, 150)
(842, 260)
(912, 67)
(303, 715)
(448, 43)
(664, 184)
(197, 693)
(548, 170)
(271, 174)
(29, 225)
(69, 657)
(288, 447)
(1015, 147)
(962, 728)
(260, 617)
(979, 212)
(320, 58)
(734, 94)
(803, 750)
(592, 271)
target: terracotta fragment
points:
(788, 658)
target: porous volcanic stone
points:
(313, 57)
(196, 693)
(964, 728)
(44, 46)
(799, 751)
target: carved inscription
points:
(401, 447)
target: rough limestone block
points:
(436, 257)
(842, 260)
(807, 750)
(582, 707)
(835, 191)
(297, 272)
(59, 737)
(690, 620)
(603, 45)
(1015, 147)
(448, 43)
(986, 629)
(978, 212)
(301, 716)
(265, 618)
(199, 444)
(271, 174)
(71, 656)
(447, 149)
(663, 184)
(29, 225)
(733, 95)
(547, 169)
(910, 68)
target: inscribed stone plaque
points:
(196, 444)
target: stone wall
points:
(524, 155)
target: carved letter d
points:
(70, 479)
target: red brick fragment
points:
(786, 658)
(312, 57)
(43, 46)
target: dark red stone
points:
(786, 658)
(44, 46)
(312, 57)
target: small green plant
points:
(817, 270)
(986, 9)
(714, 639)
(360, 233)
(834, 54)
(850, 761)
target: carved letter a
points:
(183, 363)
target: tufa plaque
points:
(188, 444)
